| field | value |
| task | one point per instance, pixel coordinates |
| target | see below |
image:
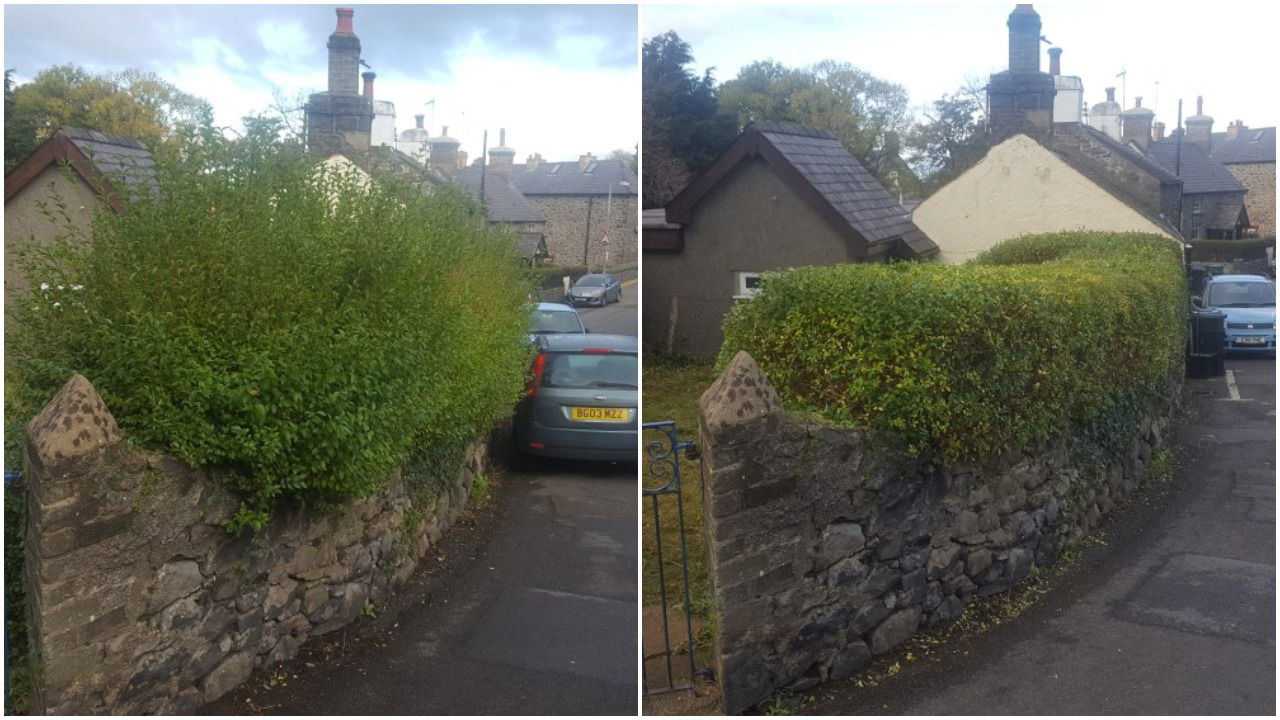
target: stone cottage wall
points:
(825, 548)
(566, 229)
(140, 602)
(1260, 202)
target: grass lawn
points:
(671, 392)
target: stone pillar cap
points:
(740, 395)
(75, 423)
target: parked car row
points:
(1249, 303)
(582, 401)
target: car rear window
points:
(1241, 294)
(591, 370)
(555, 321)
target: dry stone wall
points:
(140, 602)
(826, 548)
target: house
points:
(585, 201)
(1250, 155)
(1045, 172)
(1212, 198)
(780, 196)
(81, 169)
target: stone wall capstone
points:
(140, 602)
(826, 547)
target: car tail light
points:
(539, 366)
(596, 351)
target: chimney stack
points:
(1021, 98)
(1137, 124)
(444, 152)
(1200, 127)
(1055, 61)
(533, 161)
(1158, 131)
(1233, 129)
(585, 160)
(502, 159)
(368, 83)
(344, 56)
(1024, 38)
(340, 120)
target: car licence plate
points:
(1251, 340)
(600, 414)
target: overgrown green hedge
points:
(294, 326)
(960, 362)
(549, 276)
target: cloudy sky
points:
(1169, 50)
(563, 80)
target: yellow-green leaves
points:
(960, 362)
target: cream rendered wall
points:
(25, 224)
(1017, 189)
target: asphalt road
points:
(1175, 615)
(620, 318)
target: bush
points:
(298, 326)
(960, 362)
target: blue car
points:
(1249, 302)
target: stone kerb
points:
(138, 600)
(827, 547)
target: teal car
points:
(1249, 302)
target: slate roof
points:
(503, 202)
(1250, 145)
(118, 168)
(1200, 173)
(850, 188)
(819, 167)
(566, 178)
(120, 159)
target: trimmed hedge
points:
(961, 362)
(305, 329)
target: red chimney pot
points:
(344, 22)
(368, 83)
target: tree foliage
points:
(683, 131)
(950, 139)
(131, 103)
(868, 115)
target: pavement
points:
(527, 606)
(1174, 615)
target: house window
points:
(1195, 227)
(1196, 203)
(748, 285)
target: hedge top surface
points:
(961, 362)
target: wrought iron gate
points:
(662, 478)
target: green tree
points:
(950, 139)
(868, 115)
(683, 129)
(131, 103)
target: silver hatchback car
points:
(582, 399)
(598, 289)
